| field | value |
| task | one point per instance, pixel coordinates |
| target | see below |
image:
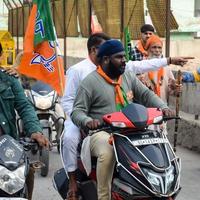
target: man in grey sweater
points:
(106, 90)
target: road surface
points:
(190, 177)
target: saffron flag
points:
(41, 58)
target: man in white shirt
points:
(75, 75)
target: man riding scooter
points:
(12, 98)
(106, 90)
(75, 74)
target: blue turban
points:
(110, 47)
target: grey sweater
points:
(95, 97)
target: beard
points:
(114, 71)
(156, 56)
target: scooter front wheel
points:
(44, 158)
(44, 155)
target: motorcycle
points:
(50, 114)
(14, 167)
(146, 166)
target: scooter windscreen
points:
(41, 88)
(137, 114)
(11, 152)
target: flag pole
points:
(59, 70)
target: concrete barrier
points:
(189, 127)
(188, 132)
(190, 100)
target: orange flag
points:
(41, 58)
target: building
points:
(3, 16)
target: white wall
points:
(3, 16)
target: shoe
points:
(72, 195)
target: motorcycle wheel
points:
(44, 156)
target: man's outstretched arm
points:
(139, 67)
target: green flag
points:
(127, 44)
(44, 30)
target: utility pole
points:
(197, 8)
(122, 20)
(65, 35)
(89, 17)
(167, 25)
(17, 23)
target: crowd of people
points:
(102, 83)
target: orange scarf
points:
(141, 48)
(119, 98)
(157, 85)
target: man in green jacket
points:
(106, 90)
(12, 98)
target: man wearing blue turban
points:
(104, 91)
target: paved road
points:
(44, 189)
(190, 179)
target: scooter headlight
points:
(170, 177)
(153, 179)
(12, 181)
(43, 103)
(162, 182)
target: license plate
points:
(149, 141)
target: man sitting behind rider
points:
(107, 90)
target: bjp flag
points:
(41, 58)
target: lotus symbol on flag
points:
(39, 59)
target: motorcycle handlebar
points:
(29, 144)
(102, 127)
(106, 127)
(166, 118)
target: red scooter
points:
(146, 166)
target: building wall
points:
(3, 16)
(76, 47)
(185, 48)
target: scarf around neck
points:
(120, 96)
(141, 48)
(157, 84)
